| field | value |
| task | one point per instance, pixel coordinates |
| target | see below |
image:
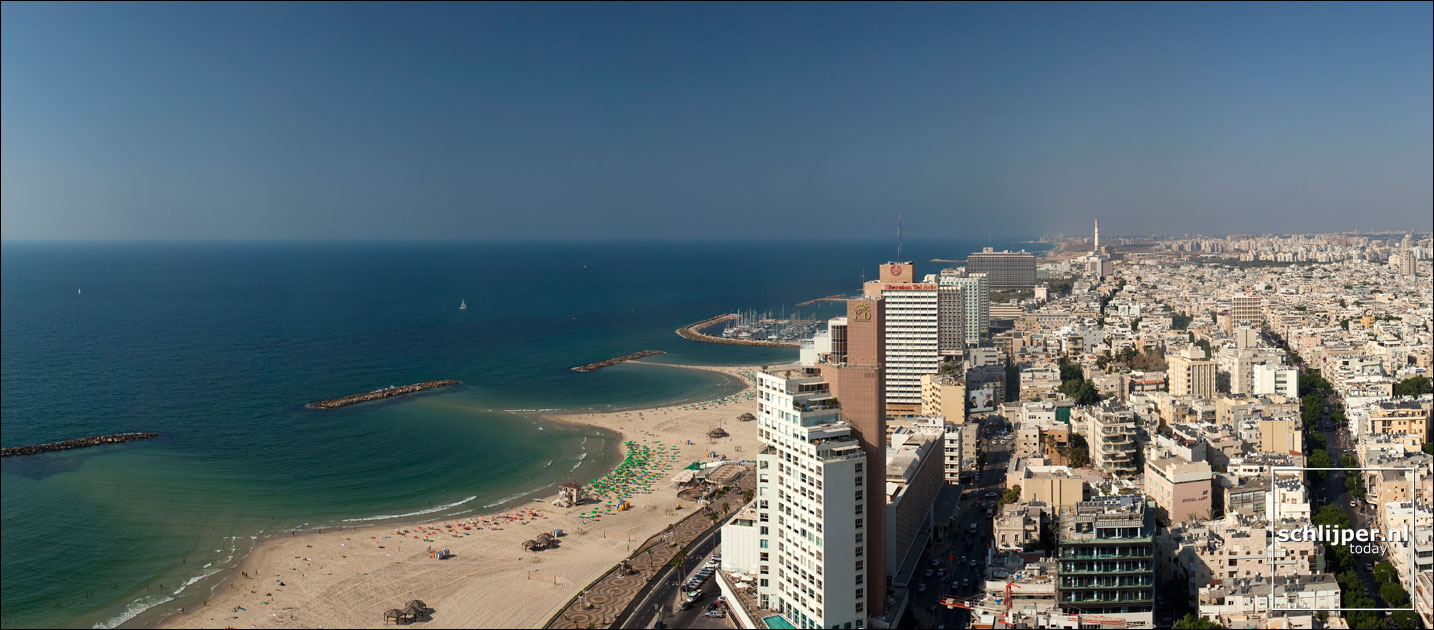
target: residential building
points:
(1191, 374)
(944, 395)
(1181, 489)
(1276, 380)
(976, 291)
(1107, 565)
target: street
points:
(962, 546)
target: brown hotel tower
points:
(859, 384)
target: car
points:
(990, 494)
(941, 572)
(1368, 567)
(684, 606)
(1354, 504)
(921, 587)
(714, 612)
(935, 562)
(972, 563)
(928, 573)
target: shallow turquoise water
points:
(218, 346)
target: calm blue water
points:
(218, 346)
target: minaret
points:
(1096, 249)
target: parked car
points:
(921, 587)
(714, 612)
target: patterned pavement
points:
(607, 598)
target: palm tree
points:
(713, 516)
(680, 560)
(725, 507)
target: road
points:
(663, 602)
(962, 546)
(1338, 442)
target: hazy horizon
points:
(613, 122)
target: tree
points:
(1011, 495)
(1179, 321)
(1406, 619)
(1414, 386)
(1079, 457)
(680, 560)
(1355, 485)
(1191, 622)
(1394, 595)
(1320, 459)
(1348, 461)
(1331, 515)
(1384, 572)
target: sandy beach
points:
(348, 578)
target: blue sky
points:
(495, 121)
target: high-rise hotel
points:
(813, 536)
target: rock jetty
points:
(694, 332)
(380, 394)
(77, 443)
(830, 298)
(616, 360)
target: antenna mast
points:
(898, 237)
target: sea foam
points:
(431, 510)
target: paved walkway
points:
(606, 599)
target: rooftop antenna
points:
(898, 237)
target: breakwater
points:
(84, 442)
(830, 298)
(694, 332)
(616, 360)
(389, 392)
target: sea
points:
(217, 346)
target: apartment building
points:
(1107, 565)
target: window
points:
(860, 565)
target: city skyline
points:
(612, 122)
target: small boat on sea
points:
(463, 305)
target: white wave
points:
(516, 496)
(135, 608)
(431, 510)
(194, 579)
(208, 564)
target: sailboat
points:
(463, 305)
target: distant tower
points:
(1096, 249)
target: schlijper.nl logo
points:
(1367, 540)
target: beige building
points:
(1056, 486)
(1181, 489)
(1112, 439)
(1406, 419)
(1191, 374)
(1248, 309)
(943, 395)
(1281, 435)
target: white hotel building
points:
(810, 527)
(912, 349)
(976, 293)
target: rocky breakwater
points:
(84, 442)
(694, 332)
(389, 392)
(616, 360)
